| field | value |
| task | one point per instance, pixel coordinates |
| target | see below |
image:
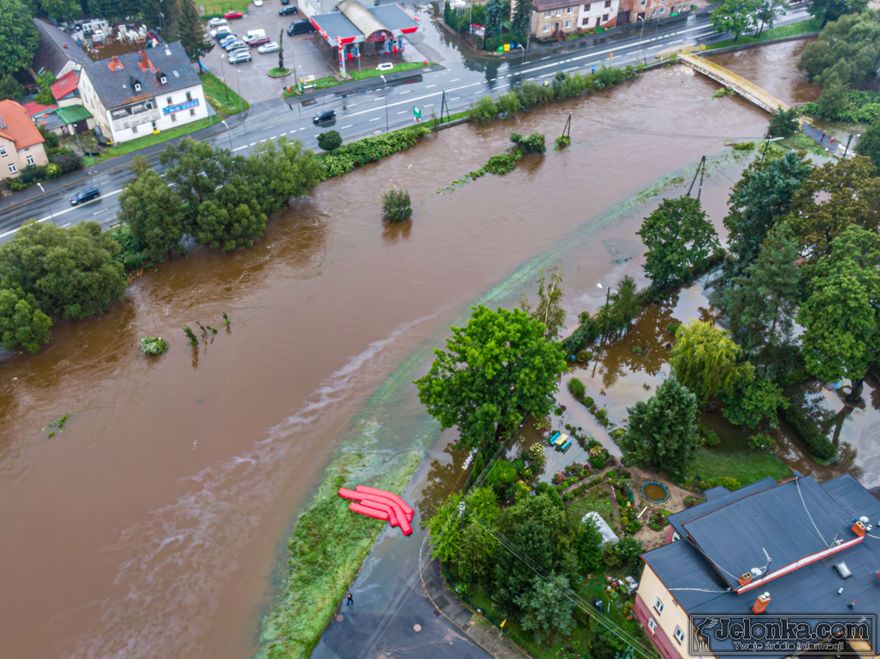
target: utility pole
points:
(385, 88)
(444, 107)
(701, 169)
(848, 141)
(641, 35)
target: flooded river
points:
(151, 525)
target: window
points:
(189, 96)
(586, 21)
(30, 160)
(568, 10)
(558, 12)
(3, 151)
(652, 626)
(546, 14)
(567, 24)
(546, 29)
(658, 605)
(607, 4)
(174, 118)
(167, 100)
(679, 635)
(605, 18)
(12, 168)
(192, 112)
(134, 129)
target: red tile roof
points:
(65, 84)
(34, 109)
(17, 126)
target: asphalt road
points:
(358, 115)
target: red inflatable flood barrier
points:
(379, 504)
(390, 495)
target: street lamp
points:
(523, 48)
(641, 35)
(767, 145)
(51, 214)
(228, 134)
(385, 87)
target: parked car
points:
(325, 117)
(259, 41)
(303, 26)
(267, 48)
(234, 45)
(258, 3)
(287, 11)
(385, 66)
(85, 195)
(232, 15)
(217, 22)
(239, 56)
(220, 32)
(285, 2)
(227, 39)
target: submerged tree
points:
(549, 308)
(707, 361)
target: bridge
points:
(724, 76)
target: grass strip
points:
(809, 26)
(224, 101)
(745, 466)
(156, 138)
(219, 7)
(332, 81)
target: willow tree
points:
(707, 361)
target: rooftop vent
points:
(842, 570)
(3, 123)
(761, 603)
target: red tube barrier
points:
(369, 512)
(380, 503)
(390, 495)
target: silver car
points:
(270, 47)
(239, 56)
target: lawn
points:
(210, 8)
(224, 101)
(745, 466)
(331, 81)
(150, 140)
(597, 498)
(810, 26)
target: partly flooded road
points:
(151, 526)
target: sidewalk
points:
(357, 86)
(471, 624)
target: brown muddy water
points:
(151, 526)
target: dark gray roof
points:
(810, 590)
(115, 87)
(716, 498)
(56, 48)
(335, 24)
(392, 17)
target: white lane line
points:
(64, 212)
(347, 126)
(64, 226)
(351, 105)
(402, 112)
(455, 80)
(292, 131)
(302, 129)
(429, 86)
(378, 131)
(263, 140)
(252, 144)
(428, 105)
(239, 148)
(405, 91)
(375, 119)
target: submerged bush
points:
(533, 143)
(153, 345)
(396, 206)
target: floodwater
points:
(152, 524)
(774, 68)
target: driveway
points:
(249, 79)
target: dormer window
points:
(135, 84)
(161, 77)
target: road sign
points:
(417, 112)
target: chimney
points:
(761, 603)
(115, 64)
(745, 578)
(859, 528)
(145, 63)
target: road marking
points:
(291, 132)
(375, 118)
(263, 140)
(455, 80)
(351, 105)
(427, 105)
(302, 129)
(252, 144)
(378, 131)
(239, 148)
(347, 126)
(405, 91)
(429, 86)
(402, 112)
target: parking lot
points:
(249, 79)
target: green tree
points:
(707, 361)
(848, 50)
(190, 31)
(754, 402)
(767, 13)
(396, 206)
(679, 239)
(547, 608)
(869, 144)
(762, 195)
(834, 196)
(10, 87)
(494, 371)
(61, 10)
(840, 318)
(549, 309)
(623, 306)
(70, 273)
(737, 16)
(662, 431)
(23, 326)
(283, 169)
(588, 546)
(501, 479)
(831, 10)
(197, 171)
(833, 102)
(479, 543)
(783, 123)
(19, 38)
(762, 303)
(330, 140)
(44, 88)
(521, 21)
(495, 14)
(153, 211)
(229, 225)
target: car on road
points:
(233, 15)
(217, 22)
(85, 195)
(385, 66)
(240, 56)
(302, 26)
(267, 48)
(287, 11)
(324, 118)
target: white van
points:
(252, 35)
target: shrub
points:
(502, 163)
(799, 418)
(783, 123)
(710, 437)
(396, 206)
(690, 501)
(761, 442)
(66, 159)
(536, 455)
(602, 417)
(484, 111)
(509, 104)
(153, 345)
(577, 388)
(562, 141)
(329, 141)
(533, 143)
(743, 146)
(598, 461)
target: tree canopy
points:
(761, 196)
(19, 38)
(869, 144)
(22, 325)
(494, 371)
(707, 361)
(71, 273)
(738, 16)
(662, 431)
(831, 10)
(190, 31)
(549, 309)
(846, 51)
(679, 238)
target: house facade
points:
(21, 144)
(799, 548)
(552, 19)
